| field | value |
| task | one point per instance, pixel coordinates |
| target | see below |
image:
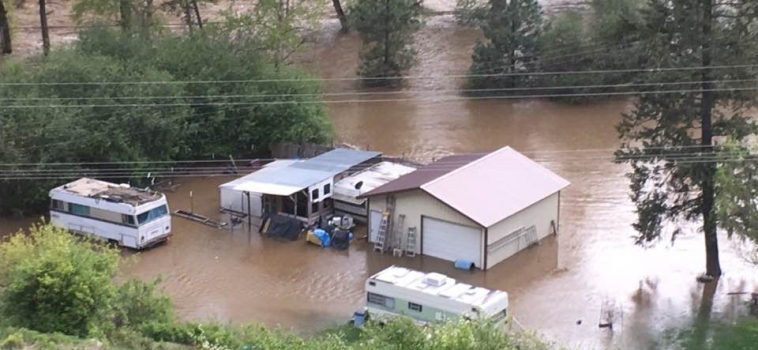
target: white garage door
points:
(375, 220)
(451, 241)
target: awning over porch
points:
(268, 188)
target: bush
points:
(57, 282)
(13, 341)
(136, 303)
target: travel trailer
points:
(134, 218)
(431, 297)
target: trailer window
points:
(58, 205)
(78, 209)
(152, 214)
(414, 307)
(381, 300)
(127, 219)
(499, 316)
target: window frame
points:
(415, 307)
(385, 301)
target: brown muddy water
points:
(237, 276)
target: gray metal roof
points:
(302, 174)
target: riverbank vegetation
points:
(386, 28)
(58, 291)
(115, 97)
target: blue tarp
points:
(323, 236)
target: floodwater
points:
(236, 275)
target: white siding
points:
(540, 214)
(416, 203)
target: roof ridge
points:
(461, 168)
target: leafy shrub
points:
(57, 282)
(13, 341)
(137, 303)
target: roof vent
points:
(435, 279)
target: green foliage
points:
(512, 30)
(673, 177)
(469, 13)
(170, 120)
(274, 28)
(137, 303)
(12, 342)
(55, 282)
(739, 335)
(386, 28)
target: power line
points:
(380, 93)
(409, 77)
(439, 100)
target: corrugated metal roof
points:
(302, 174)
(495, 186)
(371, 178)
(266, 168)
(424, 174)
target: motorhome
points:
(132, 217)
(431, 297)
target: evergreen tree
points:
(386, 27)
(512, 29)
(669, 137)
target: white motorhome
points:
(431, 297)
(134, 218)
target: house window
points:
(78, 209)
(414, 307)
(381, 300)
(314, 208)
(314, 194)
(327, 189)
(58, 205)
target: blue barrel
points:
(464, 264)
(359, 318)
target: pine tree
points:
(386, 27)
(512, 29)
(669, 138)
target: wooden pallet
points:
(199, 218)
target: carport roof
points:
(286, 180)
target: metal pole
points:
(192, 203)
(249, 213)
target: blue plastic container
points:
(359, 318)
(464, 264)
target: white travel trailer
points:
(134, 218)
(431, 297)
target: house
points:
(301, 189)
(480, 208)
(347, 190)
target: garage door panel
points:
(449, 241)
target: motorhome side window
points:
(152, 214)
(58, 205)
(381, 300)
(78, 209)
(414, 307)
(127, 219)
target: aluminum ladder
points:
(381, 236)
(397, 236)
(531, 236)
(410, 242)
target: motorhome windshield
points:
(152, 214)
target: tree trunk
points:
(187, 8)
(5, 31)
(713, 266)
(44, 28)
(125, 11)
(341, 15)
(387, 33)
(197, 14)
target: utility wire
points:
(381, 93)
(437, 100)
(409, 77)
